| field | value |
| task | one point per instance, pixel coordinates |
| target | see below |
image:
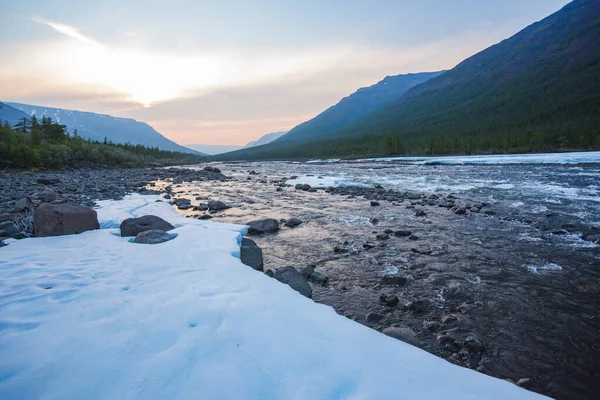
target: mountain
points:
(265, 139)
(214, 149)
(11, 114)
(99, 126)
(349, 109)
(536, 91)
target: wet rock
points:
(404, 334)
(374, 317)
(133, 226)
(396, 280)
(318, 277)
(47, 195)
(390, 300)
(460, 211)
(374, 203)
(413, 237)
(278, 189)
(373, 221)
(253, 173)
(294, 279)
(217, 205)
(269, 273)
(48, 181)
(298, 186)
(251, 254)
(203, 207)
(368, 246)
(448, 319)
(9, 228)
(402, 233)
(431, 325)
(383, 236)
(63, 219)
(306, 187)
(212, 169)
(205, 216)
(420, 213)
(292, 222)
(153, 236)
(22, 205)
(340, 250)
(268, 225)
(418, 306)
(473, 344)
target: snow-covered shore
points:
(95, 316)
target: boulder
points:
(63, 219)
(292, 222)
(405, 334)
(212, 169)
(298, 186)
(259, 227)
(217, 205)
(133, 226)
(154, 236)
(9, 228)
(48, 181)
(294, 279)
(306, 187)
(374, 317)
(47, 195)
(23, 204)
(251, 254)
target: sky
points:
(229, 71)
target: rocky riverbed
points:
(511, 291)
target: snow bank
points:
(324, 181)
(543, 158)
(94, 316)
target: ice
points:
(325, 181)
(540, 158)
(94, 316)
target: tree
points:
(23, 125)
(75, 134)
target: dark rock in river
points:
(420, 213)
(374, 203)
(292, 222)
(217, 205)
(48, 181)
(473, 344)
(389, 299)
(374, 317)
(9, 228)
(154, 236)
(47, 195)
(306, 187)
(22, 205)
(259, 227)
(383, 236)
(402, 233)
(133, 226)
(212, 169)
(63, 219)
(294, 279)
(251, 254)
(396, 280)
(418, 306)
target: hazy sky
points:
(226, 72)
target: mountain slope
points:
(346, 111)
(99, 126)
(536, 91)
(265, 139)
(11, 114)
(213, 149)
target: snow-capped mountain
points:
(99, 126)
(268, 138)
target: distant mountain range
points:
(346, 111)
(94, 126)
(213, 149)
(536, 91)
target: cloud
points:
(67, 30)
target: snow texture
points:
(94, 316)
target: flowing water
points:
(501, 272)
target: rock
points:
(253, 173)
(217, 205)
(48, 181)
(318, 277)
(63, 219)
(294, 279)
(442, 203)
(47, 195)
(431, 325)
(402, 233)
(312, 190)
(133, 226)
(397, 280)
(203, 207)
(405, 334)
(205, 216)
(292, 222)
(460, 211)
(383, 236)
(448, 319)
(373, 221)
(251, 254)
(389, 299)
(340, 250)
(374, 203)
(306, 187)
(153, 236)
(420, 213)
(298, 186)
(22, 205)
(307, 270)
(418, 306)
(374, 317)
(184, 206)
(212, 169)
(259, 227)
(524, 383)
(278, 189)
(9, 228)
(473, 344)
(269, 273)
(413, 237)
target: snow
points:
(540, 158)
(94, 316)
(324, 181)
